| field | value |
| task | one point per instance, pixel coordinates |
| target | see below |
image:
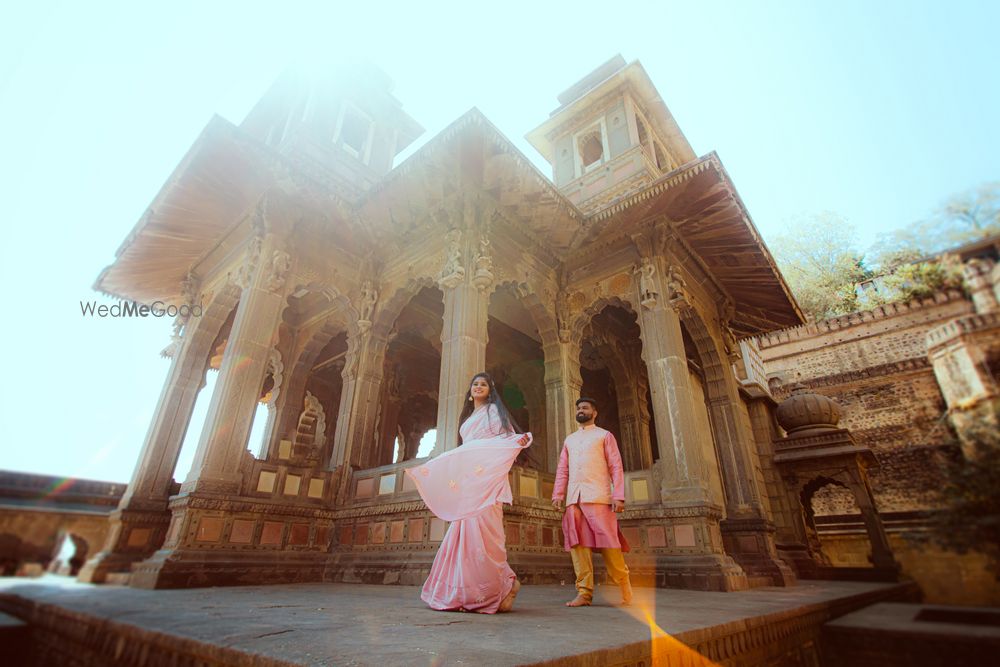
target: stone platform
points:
(356, 624)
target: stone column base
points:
(801, 560)
(698, 572)
(134, 536)
(751, 544)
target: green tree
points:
(922, 279)
(822, 264)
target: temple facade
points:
(350, 303)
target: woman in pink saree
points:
(468, 486)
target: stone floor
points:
(354, 624)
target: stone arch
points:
(636, 427)
(76, 549)
(207, 329)
(581, 321)
(10, 554)
(543, 317)
(399, 333)
(522, 377)
(385, 317)
(739, 485)
(198, 345)
(806, 491)
(276, 370)
(341, 319)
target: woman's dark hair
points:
(507, 423)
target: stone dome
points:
(806, 413)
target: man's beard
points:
(582, 418)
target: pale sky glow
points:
(875, 110)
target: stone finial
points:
(806, 413)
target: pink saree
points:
(467, 487)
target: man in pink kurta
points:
(590, 483)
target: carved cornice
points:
(267, 509)
(713, 512)
(684, 173)
(381, 509)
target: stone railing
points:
(384, 484)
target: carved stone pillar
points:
(387, 426)
(463, 336)
(139, 524)
(463, 353)
(359, 400)
(217, 461)
(881, 551)
(690, 514)
(791, 540)
(633, 413)
(217, 471)
(562, 388)
(747, 530)
(684, 471)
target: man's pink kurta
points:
(467, 486)
(588, 478)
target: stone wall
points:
(875, 365)
(37, 511)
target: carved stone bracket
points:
(648, 293)
(277, 270)
(366, 309)
(452, 273)
(677, 291)
(563, 316)
(250, 261)
(484, 277)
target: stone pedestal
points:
(815, 449)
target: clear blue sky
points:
(875, 110)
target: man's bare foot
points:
(578, 601)
(626, 593)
